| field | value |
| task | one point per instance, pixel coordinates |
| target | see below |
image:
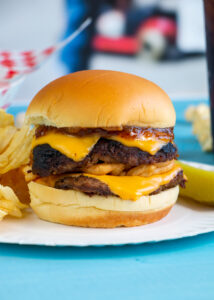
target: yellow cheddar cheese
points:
(148, 145)
(73, 147)
(134, 187)
(77, 148)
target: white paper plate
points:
(185, 219)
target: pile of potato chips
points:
(9, 203)
(15, 150)
(199, 116)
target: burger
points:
(103, 153)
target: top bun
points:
(98, 98)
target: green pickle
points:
(199, 185)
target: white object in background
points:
(9, 90)
(191, 30)
(154, 44)
(111, 24)
(168, 5)
(38, 24)
(185, 219)
(31, 24)
(145, 3)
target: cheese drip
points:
(73, 147)
(134, 187)
(150, 146)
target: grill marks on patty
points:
(88, 185)
(48, 161)
(110, 151)
(92, 186)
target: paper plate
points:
(185, 219)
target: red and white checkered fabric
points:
(14, 65)
(17, 63)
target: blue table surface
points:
(179, 269)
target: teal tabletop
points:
(179, 269)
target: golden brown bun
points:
(75, 208)
(98, 98)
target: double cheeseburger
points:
(103, 153)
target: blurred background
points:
(162, 40)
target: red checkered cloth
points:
(15, 65)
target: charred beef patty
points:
(92, 186)
(88, 185)
(48, 161)
(178, 179)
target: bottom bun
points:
(76, 208)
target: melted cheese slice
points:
(150, 146)
(77, 148)
(134, 187)
(73, 147)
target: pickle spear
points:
(200, 184)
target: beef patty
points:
(48, 161)
(88, 185)
(92, 186)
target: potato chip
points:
(6, 135)
(2, 214)
(20, 120)
(18, 151)
(6, 119)
(15, 148)
(9, 203)
(201, 124)
(15, 179)
(28, 174)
